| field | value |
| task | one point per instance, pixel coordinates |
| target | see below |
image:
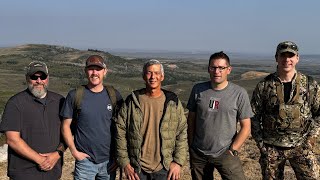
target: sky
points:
(243, 26)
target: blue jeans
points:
(87, 170)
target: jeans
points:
(229, 166)
(87, 170)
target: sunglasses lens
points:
(286, 46)
(42, 77)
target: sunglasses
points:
(35, 77)
(288, 46)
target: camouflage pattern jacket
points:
(285, 124)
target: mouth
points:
(94, 77)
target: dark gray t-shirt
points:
(93, 131)
(217, 113)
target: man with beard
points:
(92, 145)
(31, 123)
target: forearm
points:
(181, 147)
(315, 128)
(121, 143)
(22, 148)
(242, 135)
(67, 135)
(256, 130)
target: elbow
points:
(11, 142)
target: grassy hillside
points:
(66, 69)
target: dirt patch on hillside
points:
(253, 75)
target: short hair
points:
(219, 55)
(150, 63)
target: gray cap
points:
(37, 66)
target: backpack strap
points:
(77, 107)
(113, 97)
(78, 98)
(310, 90)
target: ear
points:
(162, 78)
(298, 58)
(229, 69)
(276, 57)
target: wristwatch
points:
(60, 152)
(234, 152)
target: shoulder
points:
(55, 95)
(171, 96)
(202, 85)
(19, 97)
(236, 87)
(133, 95)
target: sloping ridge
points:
(253, 75)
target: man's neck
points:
(154, 93)
(286, 76)
(220, 86)
(96, 89)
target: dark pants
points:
(160, 175)
(202, 167)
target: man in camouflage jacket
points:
(286, 121)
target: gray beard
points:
(38, 93)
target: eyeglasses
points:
(35, 77)
(220, 68)
(288, 46)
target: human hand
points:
(79, 155)
(50, 160)
(113, 166)
(311, 141)
(130, 173)
(174, 171)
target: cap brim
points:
(288, 50)
(35, 71)
(99, 65)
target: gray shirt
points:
(217, 113)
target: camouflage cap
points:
(37, 66)
(287, 46)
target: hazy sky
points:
(249, 26)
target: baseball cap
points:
(37, 66)
(95, 60)
(287, 46)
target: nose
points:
(216, 70)
(38, 80)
